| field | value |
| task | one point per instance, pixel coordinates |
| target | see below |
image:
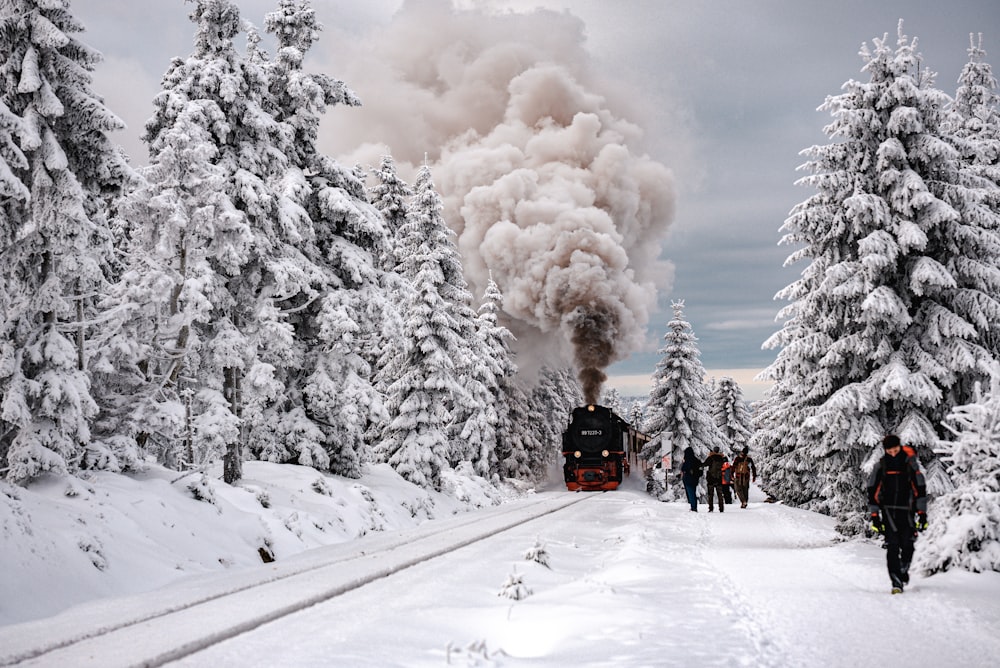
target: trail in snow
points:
(636, 582)
(630, 581)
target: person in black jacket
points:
(713, 478)
(690, 474)
(896, 489)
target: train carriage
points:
(596, 446)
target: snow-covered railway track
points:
(163, 626)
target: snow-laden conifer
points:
(425, 362)
(612, 399)
(885, 329)
(390, 195)
(730, 413)
(339, 321)
(59, 169)
(494, 370)
(636, 414)
(964, 529)
(977, 126)
(678, 414)
(247, 347)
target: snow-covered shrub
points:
(322, 486)
(92, 547)
(476, 653)
(201, 489)
(514, 587)
(538, 554)
(964, 524)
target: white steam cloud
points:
(544, 183)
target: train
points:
(598, 448)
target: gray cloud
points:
(723, 93)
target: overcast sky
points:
(724, 93)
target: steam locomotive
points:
(597, 446)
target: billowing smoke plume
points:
(544, 184)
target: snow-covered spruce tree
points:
(339, 322)
(249, 345)
(964, 530)
(886, 329)
(554, 399)
(678, 414)
(636, 414)
(975, 125)
(389, 195)
(731, 414)
(612, 399)
(425, 363)
(169, 292)
(519, 442)
(493, 369)
(57, 255)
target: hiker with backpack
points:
(896, 490)
(743, 470)
(727, 480)
(690, 475)
(713, 479)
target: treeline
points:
(895, 320)
(244, 296)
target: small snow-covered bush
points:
(964, 524)
(538, 554)
(476, 653)
(321, 486)
(201, 490)
(514, 587)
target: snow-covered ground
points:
(630, 581)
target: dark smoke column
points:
(594, 330)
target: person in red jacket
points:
(727, 480)
(896, 489)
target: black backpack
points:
(715, 462)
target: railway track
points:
(158, 627)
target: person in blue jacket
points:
(690, 474)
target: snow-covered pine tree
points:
(163, 305)
(425, 364)
(636, 414)
(730, 413)
(613, 399)
(964, 529)
(339, 322)
(494, 369)
(389, 195)
(554, 402)
(58, 253)
(975, 126)
(887, 324)
(678, 414)
(519, 442)
(249, 347)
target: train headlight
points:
(604, 453)
(578, 454)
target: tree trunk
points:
(232, 463)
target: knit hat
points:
(890, 441)
(715, 449)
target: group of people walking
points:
(897, 496)
(720, 477)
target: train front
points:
(594, 449)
